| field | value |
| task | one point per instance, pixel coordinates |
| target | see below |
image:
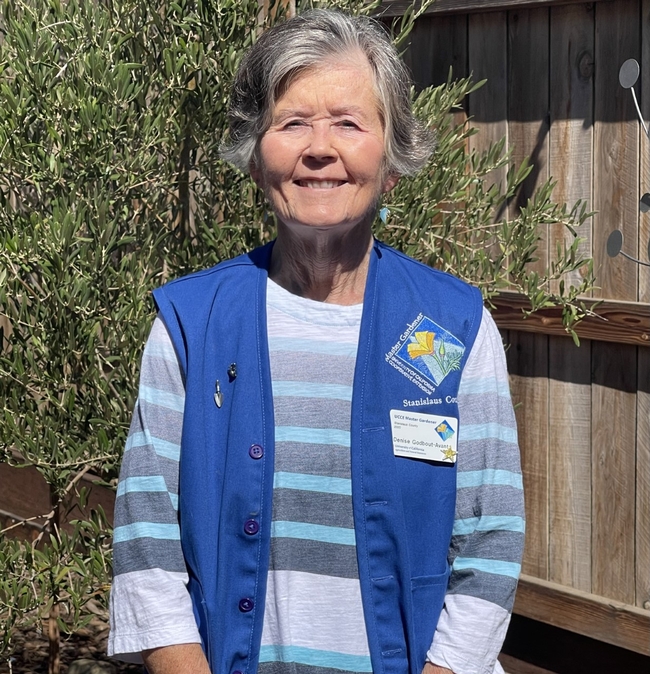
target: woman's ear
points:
(390, 182)
(255, 173)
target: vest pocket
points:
(428, 594)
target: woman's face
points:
(322, 157)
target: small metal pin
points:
(218, 396)
(232, 372)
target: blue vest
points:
(403, 507)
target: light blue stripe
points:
(312, 346)
(129, 532)
(162, 350)
(485, 431)
(308, 389)
(483, 386)
(310, 656)
(488, 566)
(167, 450)
(316, 436)
(141, 483)
(489, 523)
(155, 396)
(324, 484)
(478, 478)
(312, 532)
(148, 483)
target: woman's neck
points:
(325, 266)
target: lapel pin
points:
(218, 396)
(232, 371)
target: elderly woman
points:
(322, 472)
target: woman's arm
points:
(179, 659)
(488, 537)
(435, 669)
(150, 606)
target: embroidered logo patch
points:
(426, 353)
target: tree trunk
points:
(53, 635)
(53, 631)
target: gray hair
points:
(305, 42)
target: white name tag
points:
(424, 436)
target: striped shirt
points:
(313, 620)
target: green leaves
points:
(454, 217)
(71, 567)
(96, 103)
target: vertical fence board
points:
(437, 43)
(571, 134)
(488, 59)
(570, 463)
(643, 481)
(644, 159)
(528, 136)
(616, 148)
(528, 366)
(528, 105)
(614, 369)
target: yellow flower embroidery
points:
(423, 346)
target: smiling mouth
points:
(320, 184)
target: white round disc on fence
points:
(629, 74)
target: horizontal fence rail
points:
(618, 322)
(393, 8)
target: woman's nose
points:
(320, 143)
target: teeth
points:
(320, 184)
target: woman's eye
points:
(348, 124)
(293, 124)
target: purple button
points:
(246, 605)
(256, 451)
(251, 527)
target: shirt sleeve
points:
(149, 604)
(488, 536)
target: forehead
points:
(342, 80)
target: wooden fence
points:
(583, 413)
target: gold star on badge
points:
(449, 454)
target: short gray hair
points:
(305, 42)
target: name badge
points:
(424, 436)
